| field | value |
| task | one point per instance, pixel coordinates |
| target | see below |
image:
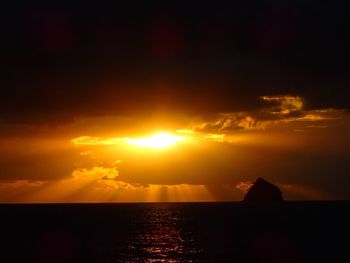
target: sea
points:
(175, 232)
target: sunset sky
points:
(175, 101)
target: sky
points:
(103, 101)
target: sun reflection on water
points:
(162, 239)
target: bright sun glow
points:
(159, 140)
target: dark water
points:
(176, 232)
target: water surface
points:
(176, 232)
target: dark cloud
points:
(62, 60)
(278, 110)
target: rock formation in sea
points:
(263, 192)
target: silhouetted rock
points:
(262, 192)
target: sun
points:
(157, 141)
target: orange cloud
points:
(91, 190)
(157, 140)
(244, 186)
(285, 105)
(97, 172)
(86, 153)
(19, 183)
(90, 140)
(279, 111)
(214, 137)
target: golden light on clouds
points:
(102, 190)
(156, 141)
(192, 158)
(244, 186)
(90, 140)
(160, 140)
(214, 137)
(97, 172)
(285, 104)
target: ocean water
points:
(176, 232)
